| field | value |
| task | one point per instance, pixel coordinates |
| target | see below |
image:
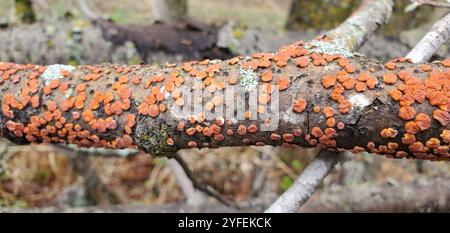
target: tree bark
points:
(358, 112)
(106, 95)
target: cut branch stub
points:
(314, 99)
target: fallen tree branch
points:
(431, 42)
(194, 196)
(354, 31)
(203, 187)
(36, 110)
(125, 153)
(416, 3)
(305, 186)
(36, 101)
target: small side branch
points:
(194, 197)
(124, 153)
(417, 3)
(433, 40)
(305, 185)
(203, 187)
(354, 31)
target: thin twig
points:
(194, 197)
(203, 187)
(305, 185)
(417, 3)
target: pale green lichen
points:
(53, 72)
(329, 47)
(153, 140)
(248, 80)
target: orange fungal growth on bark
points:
(395, 94)
(360, 86)
(252, 128)
(263, 99)
(153, 110)
(192, 144)
(330, 122)
(283, 83)
(446, 62)
(275, 137)
(417, 147)
(423, 121)
(242, 130)
(445, 135)
(390, 78)
(349, 83)
(388, 133)
(328, 81)
(299, 105)
(316, 132)
(408, 139)
(433, 143)
(390, 65)
(316, 109)
(328, 112)
(371, 82)
(267, 76)
(345, 106)
(287, 137)
(247, 114)
(426, 68)
(411, 127)
(442, 116)
(406, 113)
(302, 62)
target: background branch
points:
(431, 42)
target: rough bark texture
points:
(130, 107)
(303, 14)
(357, 29)
(305, 186)
(433, 40)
